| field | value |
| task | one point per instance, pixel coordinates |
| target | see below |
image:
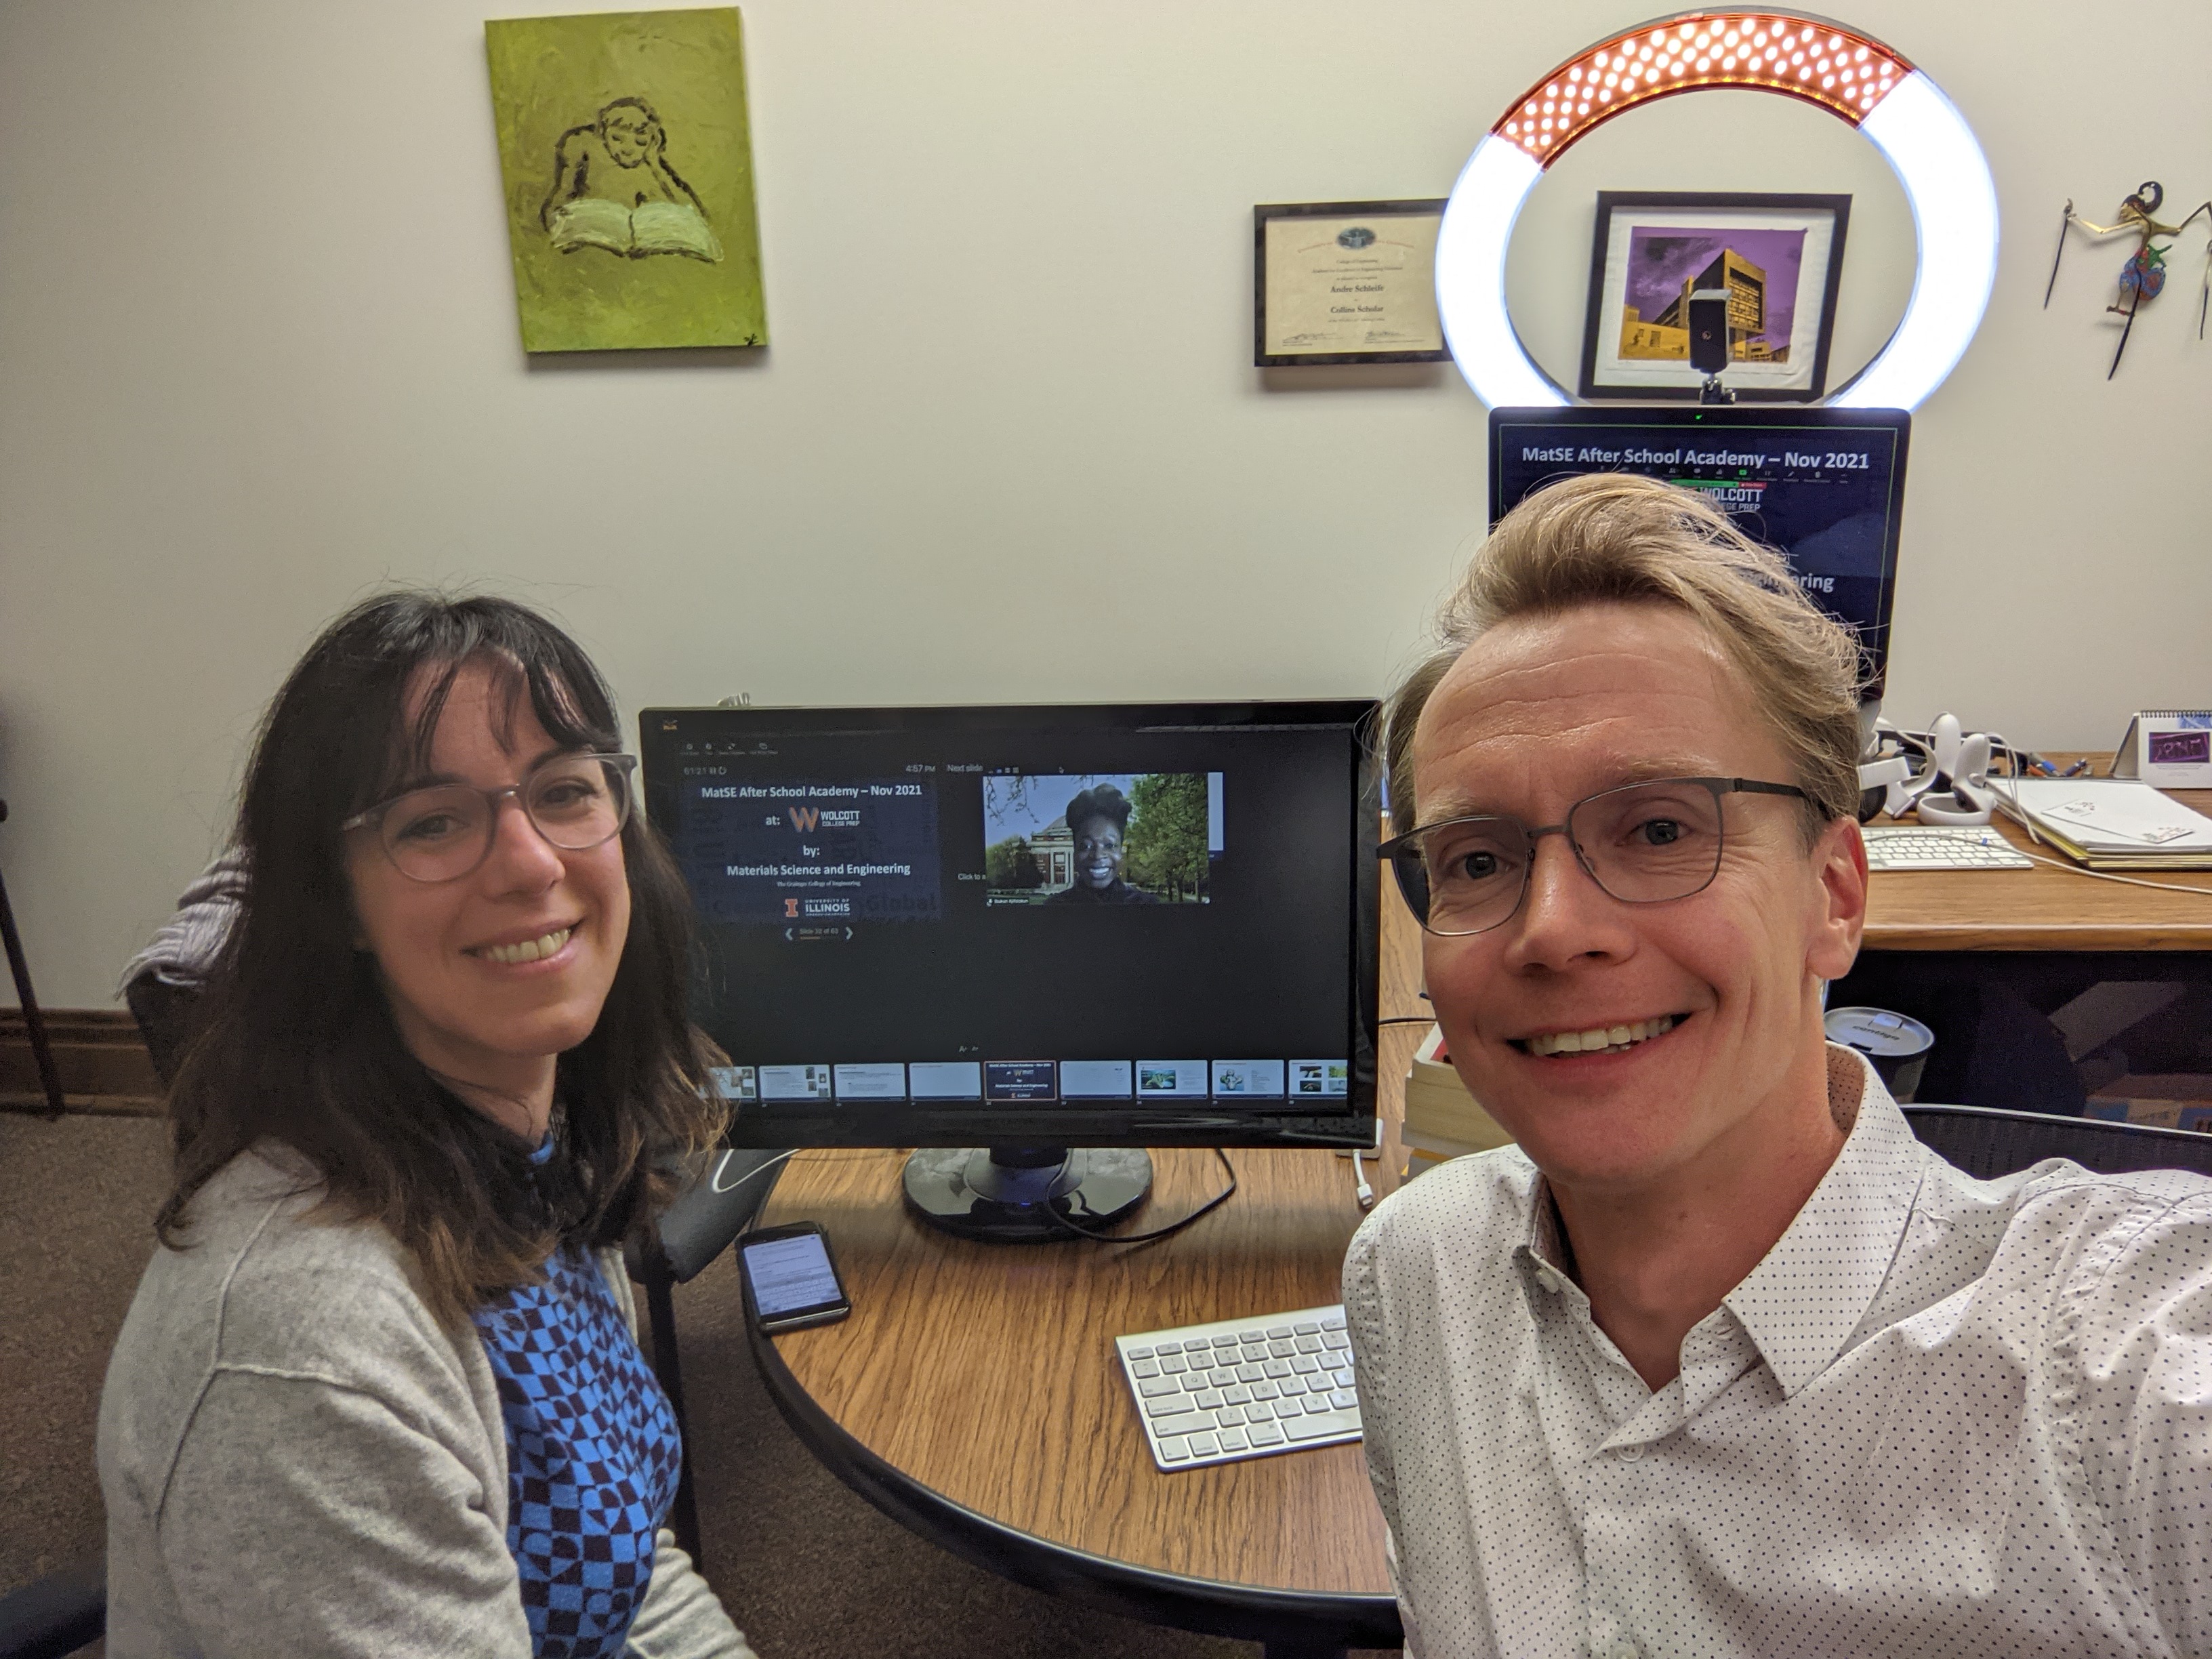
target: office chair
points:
(726, 1193)
(1987, 1143)
(34, 1024)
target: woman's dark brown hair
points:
(298, 1046)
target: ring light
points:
(1851, 75)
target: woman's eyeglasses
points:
(1643, 843)
(441, 833)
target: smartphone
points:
(789, 1278)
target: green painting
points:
(628, 163)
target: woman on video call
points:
(378, 1391)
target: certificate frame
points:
(1807, 231)
(1282, 289)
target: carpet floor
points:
(808, 1570)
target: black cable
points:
(1408, 1019)
(1214, 1203)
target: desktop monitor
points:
(1000, 933)
(1823, 487)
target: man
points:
(1718, 1360)
(1099, 822)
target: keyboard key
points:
(1265, 1391)
(1143, 1368)
(1204, 1445)
(1173, 1365)
(1167, 1407)
(1306, 1327)
(1189, 1423)
(1266, 1434)
(1342, 1378)
(1305, 1365)
(1228, 1415)
(1210, 1401)
(1233, 1440)
(1152, 1387)
(1344, 1400)
(1312, 1428)
(1332, 1321)
(1197, 1381)
(1223, 1376)
(1239, 1395)
(1335, 1340)
(1225, 1342)
(1316, 1404)
(1309, 1344)
(1282, 1348)
(1177, 1450)
(1167, 1347)
(1287, 1409)
(1278, 1333)
(1277, 1368)
(1140, 1353)
(1250, 1373)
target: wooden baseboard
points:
(102, 1060)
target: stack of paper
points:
(1442, 1119)
(2110, 823)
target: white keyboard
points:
(1242, 1388)
(1925, 846)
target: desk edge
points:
(1251, 1613)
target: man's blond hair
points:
(1611, 538)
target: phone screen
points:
(792, 1273)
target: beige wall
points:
(257, 356)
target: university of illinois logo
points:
(791, 905)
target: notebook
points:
(2110, 823)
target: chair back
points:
(1986, 1143)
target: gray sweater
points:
(297, 1460)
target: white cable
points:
(1361, 1191)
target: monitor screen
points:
(1823, 487)
(1133, 925)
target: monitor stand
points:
(1001, 1194)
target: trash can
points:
(1896, 1043)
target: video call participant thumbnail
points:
(1098, 819)
(1719, 1358)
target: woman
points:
(379, 1394)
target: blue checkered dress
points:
(592, 1456)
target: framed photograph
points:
(1780, 257)
(1346, 282)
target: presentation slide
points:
(1821, 496)
(814, 852)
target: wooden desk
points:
(2042, 909)
(972, 1393)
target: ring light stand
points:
(1845, 71)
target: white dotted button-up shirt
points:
(1942, 1416)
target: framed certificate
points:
(1346, 282)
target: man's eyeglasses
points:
(575, 801)
(1643, 843)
